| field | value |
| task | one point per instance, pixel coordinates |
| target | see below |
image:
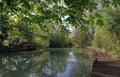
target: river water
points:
(46, 63)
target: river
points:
(46, 63)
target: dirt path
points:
(106, 66)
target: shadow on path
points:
(106, 66)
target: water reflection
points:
(48, 63)
(71, 67)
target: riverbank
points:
(105, 65)
(15, 49)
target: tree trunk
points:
(1, 42)
(3, 36)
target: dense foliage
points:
(32, 21)
(108, 36)
(83, 37)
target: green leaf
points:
(100, 22)
(98, 15)
(116, 3)
(105, 3)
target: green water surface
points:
(46, 63)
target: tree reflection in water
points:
(52, 63)
(71, 66)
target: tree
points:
(14, 13)
(107, 36)
(19, 21)
(59, 40)
(83, 36)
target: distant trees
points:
(82, 37)
(60, 40)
